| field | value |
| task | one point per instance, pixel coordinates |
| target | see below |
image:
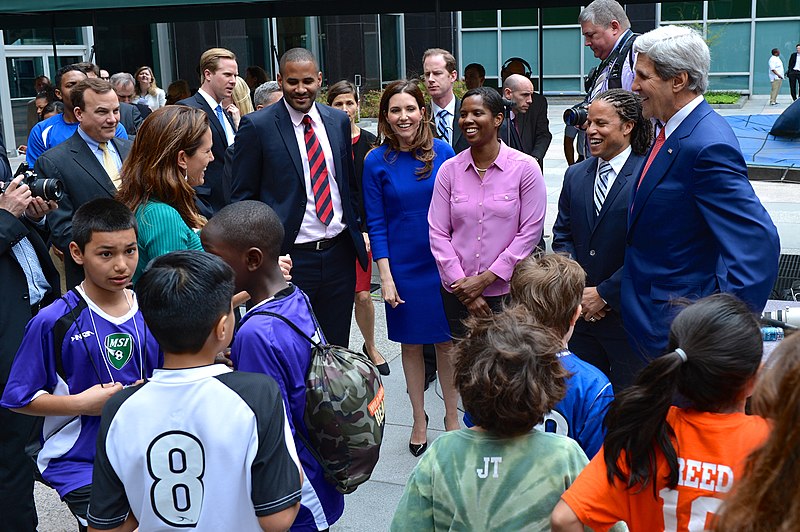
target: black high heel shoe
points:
(383, 369)
(419, 448)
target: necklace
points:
(481, 169)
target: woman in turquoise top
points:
(169, 156)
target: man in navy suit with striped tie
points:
(296, 156)
(591, 226)
(439, 67)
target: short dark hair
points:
(248, 224)
(75, 67)
(87, 67)
(97, 85)
(507, 371)
(478, 67)
(339, 88)
(775, 51)
(491, 99)
(182, 295)
(100, 215)
(296, 55)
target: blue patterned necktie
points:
(441, 125)
(601, 186)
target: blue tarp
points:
(759, 147)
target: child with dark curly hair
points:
(498, 474)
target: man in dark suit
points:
(296, 156)
(130, 118)
(439, 68)
(218, 71)
(531, 130)
(591, 226)
(793, 72)
(88, 162)
(695, 226)
(30, 281)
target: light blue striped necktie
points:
(441, 127)
(601, 186)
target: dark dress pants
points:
(604, 345)
(17, 510)
(329, 280)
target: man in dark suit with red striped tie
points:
(296, 156)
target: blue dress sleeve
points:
(377, 225)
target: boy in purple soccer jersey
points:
(82, 349)
(248, 235)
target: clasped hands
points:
(469, 290)
(594, 307)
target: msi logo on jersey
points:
(119, 347)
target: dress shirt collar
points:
(209, 99)
(93, 144)
(619, 160)
(678, 118)
(501, 161)
(621, 39)
(297, 117)
(450, 108)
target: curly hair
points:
(761, 499)
(507, 371)
(151, 170)
(422, 147)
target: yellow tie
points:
(110, 165)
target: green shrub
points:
(722, 97)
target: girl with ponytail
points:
(666, 467)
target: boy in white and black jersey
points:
(197, 445)
(82, 349)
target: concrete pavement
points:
(371, 507)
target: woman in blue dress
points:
(398, 184)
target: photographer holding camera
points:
(29, 281)
(607, 32)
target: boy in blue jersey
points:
(550, 287)
(198, 445)
(82, 349)
(248, 235)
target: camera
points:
(47, 189)
(577, 115)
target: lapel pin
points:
(669, 150)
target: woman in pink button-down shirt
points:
(486, 214)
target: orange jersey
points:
(711, 450)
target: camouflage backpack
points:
(344, 413)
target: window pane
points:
(42, 36)
(62, 60)
(21, 73)
(480, 47)
(562, 53)
(777, 8)
(732, 83)
(562, 85)
(560, 15)
(521, 43)
(682, 11)
(769, 35)
(519, 17)
(730, 47)
(729, 9)
(478, 19)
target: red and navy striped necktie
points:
(320, 183)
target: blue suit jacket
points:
(695, 227)
(267, 166)
(596, 242)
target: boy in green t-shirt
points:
(499, 474)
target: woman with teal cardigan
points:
(169, 156)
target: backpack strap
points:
(62, 326)
(288, 322)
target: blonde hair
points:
(152, 89)
(241, 97)
(210, 60)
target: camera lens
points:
(575, 116)
(48, 189)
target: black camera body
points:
(577, 115)
(47, 189)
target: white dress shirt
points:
(229, 133)
(678, 118)
(616, 162)
(312, 229)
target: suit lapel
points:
(588, 193)
(456, 129)
(84, 158)
(283, 122)
(217, 128)
(663, 161)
